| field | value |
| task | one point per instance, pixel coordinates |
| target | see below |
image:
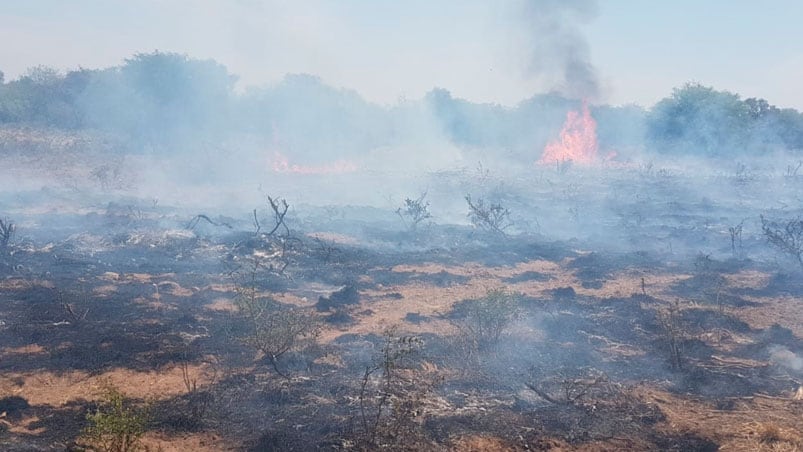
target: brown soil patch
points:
(56, 389)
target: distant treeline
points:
(167, 101)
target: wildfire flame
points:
(577, 142)
(281, 164)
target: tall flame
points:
(577, 141)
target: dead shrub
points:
(414, 211)
(769, 433)
(673, 332)
(481, 322)
(391, 397)
(198, 399)
(273, 329)
(488, 216)
(573, 390)
(592, 391)
(786, 236)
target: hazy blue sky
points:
(485, 50)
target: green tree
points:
(701, 120)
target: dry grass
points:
(770, 436)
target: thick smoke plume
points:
(560, 53)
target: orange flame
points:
(280, 164)
(577, 142)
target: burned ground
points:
(675, 342)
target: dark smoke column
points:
(560, 53)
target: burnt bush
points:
(488, 216)
(414, 211)
(274, 329)
(391, 398)
(481, 322)
(786, 236)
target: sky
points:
(500, 51)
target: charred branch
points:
(257, 225)
(279, 207)
(197, 219)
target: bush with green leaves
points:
(117, 425)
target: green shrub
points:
(117, 425)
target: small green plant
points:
(117, 425)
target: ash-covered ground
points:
(623, 305)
